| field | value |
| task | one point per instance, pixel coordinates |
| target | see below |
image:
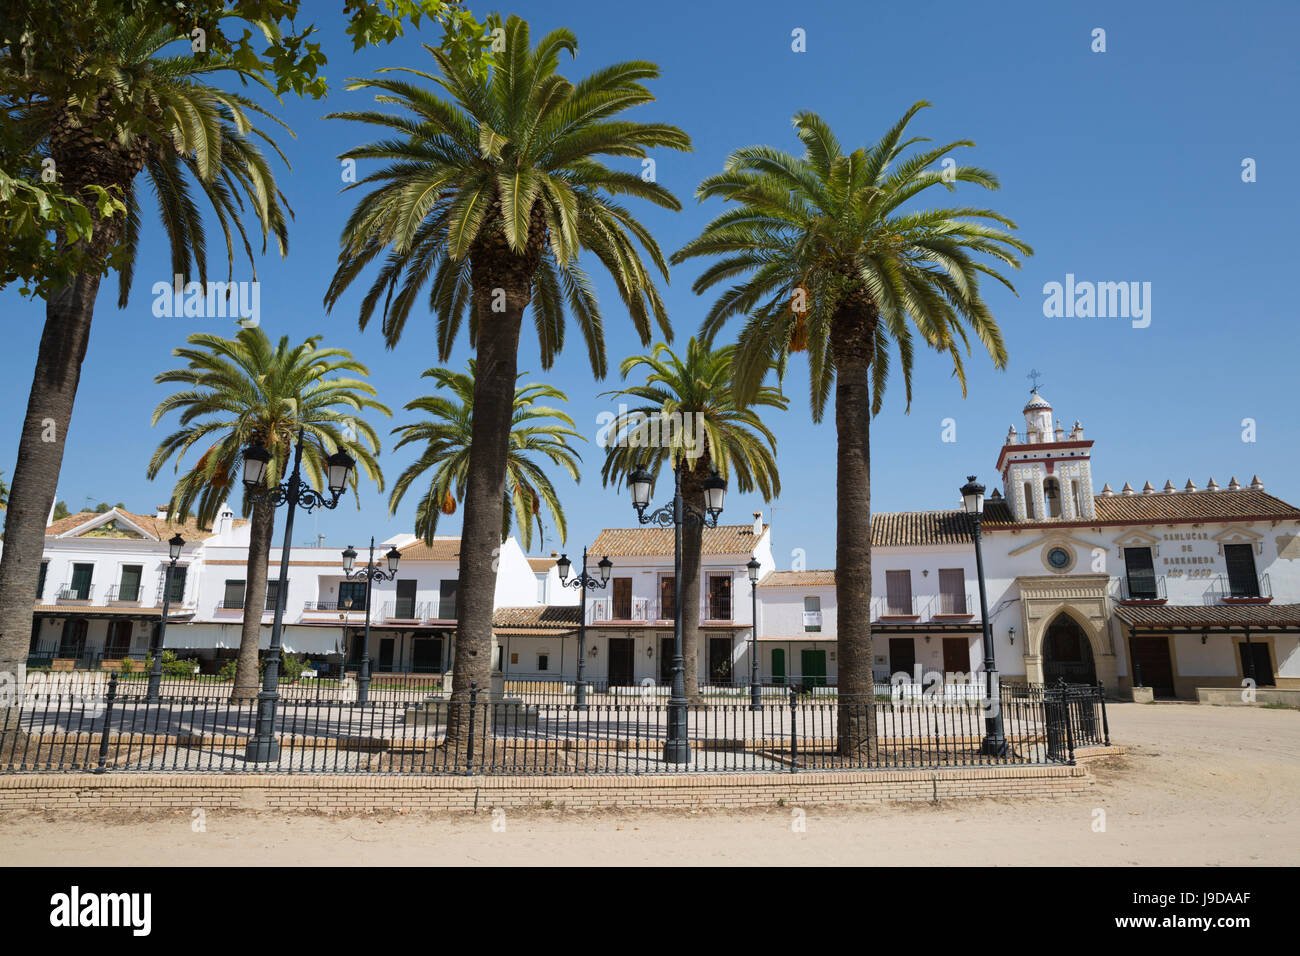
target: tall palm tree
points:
(831, 261)
(130, 108)
(691, 411)
(535, 431)
(241, 389)
(490, 188)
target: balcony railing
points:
(1254, 589)
(440, 610)
(1142, 590)
(71, 593)
(717, 609)
(953, 605)
(608, 609)
(350, 607)
(886, 607)
(124, 594)
(232, 605)
(406, 610)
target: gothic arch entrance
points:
(1067, 653)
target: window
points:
(352, 595)
(233, 598)
(1139, 570)
(1029, 501)
(812, 613)
(129, 588)
(1052, 495)
(1078, 499)
(898, 591)
(952, 591)
(272, 592)
(720, 597)
(543, 662)
(1242, 582)
(622, 610)
(178, 584)
(667, 598)
(541, 587)
(40, 582)
(447, 599)
(405, 605)
(80, 587)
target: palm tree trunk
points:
(851, 340)
(261, 531)
(68, 315)
(497, 357)
(692, 551)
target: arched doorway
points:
(1067, 653)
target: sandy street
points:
(1201, 785)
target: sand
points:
(1199, 786)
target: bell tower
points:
(1046, 473)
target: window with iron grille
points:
(233, 597)
(352, 596)
(1140, 572)
(720, 597)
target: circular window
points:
(1058, 558)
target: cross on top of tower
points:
(1033, 376)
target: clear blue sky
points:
(1118, 166)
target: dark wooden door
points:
(620, 661)
(426, 655)
(405, 599)
(1240, 559)
(812, 665)
(622, 610)
(386, 645)
(902, 656)
(118, 644)
(81, 574)
(778, 666)
(1263, 673)
(956, 656)
(665, 660)
(719, 660)
(1152, 655)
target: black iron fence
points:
(55, 728)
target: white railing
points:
(608, 609)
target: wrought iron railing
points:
(124, 593)
(1142, 588)
(71, 592)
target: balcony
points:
(953, 607)
(75, 594)
(1142, 590)
(635, 610)
(407, 610)
(231, 606)
(895, 608)
(124, 594)
(1242, 589)
(439, 610)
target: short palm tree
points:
(130, 108)
(536, 431)
(690, 412)
(488, 188)
(827, 258)
(239, 390)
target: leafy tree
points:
(237, 391)
(827, 258)
(536, 431)
(691, 414)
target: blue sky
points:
(1118, 166)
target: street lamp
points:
(677, 748)
(995, 742)
(582, 582)
(370, 574)
(755, 698)
(174, 546)
(262, 746)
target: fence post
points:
(1105, 724)
(794, 733)
(473, 705)
(108, 719)
(1069, 723)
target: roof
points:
(1159, 616)
(537, 619)
(442, 549)
(780, 579)
(1037, 401)
(724, 539)
(542, 564)
(908, 528)
(150, 524)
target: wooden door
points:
(81, 574)
(1152, 655)
(405, 599)
(902, 656)
(1263, 672)
(620, 660)
(622, 610)
(666, 660)
(1240, 559)
(812, 664)
(778, 666)
(426, 655)
(719, 660)
(386, 653)
(956, 658)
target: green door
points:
(813, 665)
(778, 666)
(81, 581)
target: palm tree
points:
(129, 109)
(490, 188)
(241, 389)
(830, 261)
(691, 411)
(535, 431)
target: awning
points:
(1220, 618)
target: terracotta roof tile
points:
(778, 579)
(1210, 615)
(160, 529)
(724, 539)
(542, 564)
(549, 617)
(442, 549)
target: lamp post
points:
(755, 695)
(995, 742)
(582, 582)
(263, 747)
(370, 574)
(174, 546)
(677, 748)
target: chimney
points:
(1148, 489)
(758, 523)
(1212, 485)
(1233, 484)
(1169, 487)
(1105, 490)
(225, 522)
(161, 512)
(1127, 489)
(1256, 484)
(1189, 486)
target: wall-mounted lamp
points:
(927, 638)
(1205, 636)
(1011, 634)
(592, 652)
(925, 573)
(650, 651)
